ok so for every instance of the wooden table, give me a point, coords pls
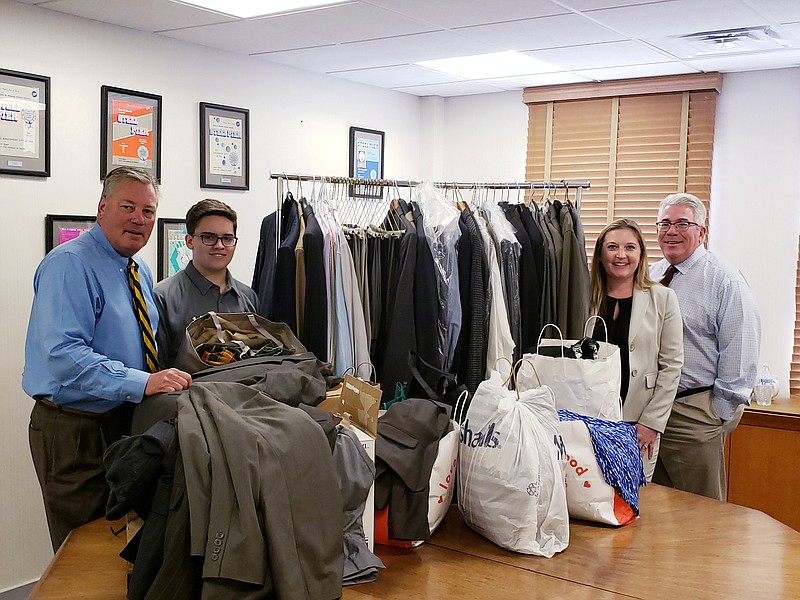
(683, 546)
(761, 460)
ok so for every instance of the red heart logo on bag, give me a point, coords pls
(586, 484)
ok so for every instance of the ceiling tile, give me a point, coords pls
(380, 53)
(142, 17)
(546, 32)
(589, 56)
(396, 76)
(515, 83)
(651, 70)
(780, 11)
(677, 17)
(764, 60)
(582, 5)
(471, 12)
(459, 88)
(336, 24)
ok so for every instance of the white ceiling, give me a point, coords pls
(376, 42)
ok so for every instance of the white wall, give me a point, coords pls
(755, 206)
(299, 123)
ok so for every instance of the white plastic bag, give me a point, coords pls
(585, 386)
(510, 472)
(589, 497)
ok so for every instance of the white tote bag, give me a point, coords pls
(510, 471)
(589, 497)
(588, 387)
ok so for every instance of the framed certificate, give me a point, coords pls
(224, 147)
(63, 228)
(173, 253)
(366, 161)
(24, 124)
(130, 131)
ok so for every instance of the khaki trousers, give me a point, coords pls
(692, 457)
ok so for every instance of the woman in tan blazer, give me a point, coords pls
(644, 320)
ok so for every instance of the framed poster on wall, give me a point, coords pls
(224, 147)
(366, 160)
(173, 253)
(62, 228)
(130, 131)
(24, 124)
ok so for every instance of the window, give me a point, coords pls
(794, 369)
(636, 141)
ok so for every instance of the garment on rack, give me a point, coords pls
(315, 313)
(473, 277)
(284, 292)
(426, 298)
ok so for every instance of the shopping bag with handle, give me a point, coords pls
(584, 385)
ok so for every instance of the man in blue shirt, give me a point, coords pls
(721, 342)
(85, 359)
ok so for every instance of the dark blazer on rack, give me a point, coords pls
(315, 329)
(426, 298)
(264, 271)
(530, 295)
(284, 295)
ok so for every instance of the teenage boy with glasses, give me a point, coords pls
(721, 342)
(205, 284)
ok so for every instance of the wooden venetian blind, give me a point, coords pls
(651, 138)
(794, 369)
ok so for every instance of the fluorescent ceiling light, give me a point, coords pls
(485, 66)
(256, 8)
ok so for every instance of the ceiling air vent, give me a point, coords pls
(729, 41)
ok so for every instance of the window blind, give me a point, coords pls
(635, 147)
(794, 369)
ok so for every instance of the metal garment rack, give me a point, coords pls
(405, 183)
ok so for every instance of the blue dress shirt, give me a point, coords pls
(84, 345)
(721, 328)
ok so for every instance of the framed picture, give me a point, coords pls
(173, 253)
(366, 160)
(224, 147)
(62, 228)
(24, 124)
(130, 131)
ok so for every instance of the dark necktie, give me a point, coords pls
(671, 270)
(140, 310)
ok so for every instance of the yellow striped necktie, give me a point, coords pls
(140, 310)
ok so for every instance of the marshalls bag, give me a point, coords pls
(582, 385)
(510, 470)
(589, 497)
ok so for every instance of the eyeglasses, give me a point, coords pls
(680, 225)
(211, 239)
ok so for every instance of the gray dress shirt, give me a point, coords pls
(187, 295)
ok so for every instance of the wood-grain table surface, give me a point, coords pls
(683, 546)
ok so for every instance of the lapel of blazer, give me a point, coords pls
(640, 300)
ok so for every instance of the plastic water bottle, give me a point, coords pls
(764, 389)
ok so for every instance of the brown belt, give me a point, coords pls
(71, 411)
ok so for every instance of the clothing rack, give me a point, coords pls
(367, 183)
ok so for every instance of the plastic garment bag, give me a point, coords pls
(442, 233)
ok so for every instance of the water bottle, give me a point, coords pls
(765, 388)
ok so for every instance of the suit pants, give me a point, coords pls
(692, 456)
(67, 451)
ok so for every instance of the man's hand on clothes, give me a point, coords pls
(168, 380)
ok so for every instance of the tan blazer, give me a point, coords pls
(655, 351)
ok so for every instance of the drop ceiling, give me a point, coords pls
(377, 42)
